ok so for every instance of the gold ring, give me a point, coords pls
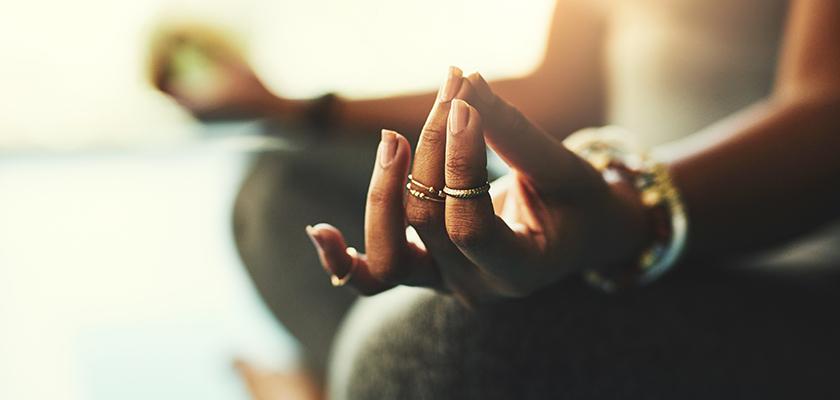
(339, 282)
(470, 193)
(424, 192)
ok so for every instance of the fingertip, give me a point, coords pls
(393, 147)
(451, 84)
(388, 147)
(463, 103)
(466, 92)
(459, 115)
(324, 228)
(478, 80)
(385, 133)
(331, 248)
(403, 142)
(482, 88)
(463, 115)
(456, 74)
(388, 134)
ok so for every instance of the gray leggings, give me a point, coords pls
(705, 331)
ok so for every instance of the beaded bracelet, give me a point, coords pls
(611, 152)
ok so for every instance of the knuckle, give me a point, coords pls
(516, 120)
(391, 271)
(378, 197)
(457, 163)
(421, 216)
(466, 235)
(432, 135)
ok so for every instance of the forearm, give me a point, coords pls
(404, 114)
(772, 172)
(565, 93)
(560, 111)
(766, 175)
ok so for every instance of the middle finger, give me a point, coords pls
(427, 216)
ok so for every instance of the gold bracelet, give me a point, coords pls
(609, 150)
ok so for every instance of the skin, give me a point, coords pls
(564, 215)
(788, 186)
(551, 207)
(562, 94)
(761, 177)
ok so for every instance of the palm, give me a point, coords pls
(546, 225)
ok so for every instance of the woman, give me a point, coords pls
(516, 325)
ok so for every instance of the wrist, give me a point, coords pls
(650, 220)
(276, 107)
(632, 228)
(321, 112)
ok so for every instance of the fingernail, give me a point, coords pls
(316, 241)
(387, 148)
(459, 115)
(449, 87)
(482, 89)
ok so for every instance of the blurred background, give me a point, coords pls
(83, 63)
(119, 277)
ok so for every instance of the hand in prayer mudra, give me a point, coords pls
(553, 215)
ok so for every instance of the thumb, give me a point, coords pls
(537, 156)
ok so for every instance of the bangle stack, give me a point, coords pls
(610, 151)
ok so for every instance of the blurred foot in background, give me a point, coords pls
(266, 384)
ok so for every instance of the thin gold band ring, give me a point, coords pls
(469, 193)
(338, 282)
(424, 192)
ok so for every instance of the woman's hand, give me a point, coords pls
(552, 216)
(206, 74)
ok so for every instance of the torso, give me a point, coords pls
(676, 66)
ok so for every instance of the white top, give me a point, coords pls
(675, 66)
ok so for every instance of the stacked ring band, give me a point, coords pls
(470, 193)
(424, 192)
(429, 193)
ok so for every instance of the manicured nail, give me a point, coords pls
(482, 89)
(449, 87)
(387, 148)
(317, 242)
(459, 115)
